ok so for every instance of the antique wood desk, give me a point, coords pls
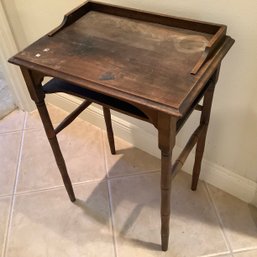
(153, 67)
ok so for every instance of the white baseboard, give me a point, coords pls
(212, 173)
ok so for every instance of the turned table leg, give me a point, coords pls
(167, 134)
(205, 117)
(33, 80)
(51, 135)
(165, 198)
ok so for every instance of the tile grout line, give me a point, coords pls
(39, 127)
(11, 132)
(219, 219)
(89, 181)
(5, 196)
(109, 197)
(141, 173)
(15, 130)
(221, 254)
(7, 233)
(53, 188)
(38, 190)
(105, 154)
(247, 249)
(112, 219)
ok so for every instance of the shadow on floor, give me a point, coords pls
(181, 194)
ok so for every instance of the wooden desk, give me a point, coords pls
(153, 67)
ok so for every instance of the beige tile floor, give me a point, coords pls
(117, 207)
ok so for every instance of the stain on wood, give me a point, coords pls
(107, 76)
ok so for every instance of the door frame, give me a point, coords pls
(12, 74)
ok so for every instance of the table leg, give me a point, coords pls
(167, 134)
(165, 198)
(33, 80)
(51, 135)
(205, 117)
(108, 123)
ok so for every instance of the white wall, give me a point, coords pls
(232, 136)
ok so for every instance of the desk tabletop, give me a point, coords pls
(134, 60)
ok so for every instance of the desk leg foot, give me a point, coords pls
(165, 232)
(108, 123)
(62, 167)
(165, 242)
(51, 135)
